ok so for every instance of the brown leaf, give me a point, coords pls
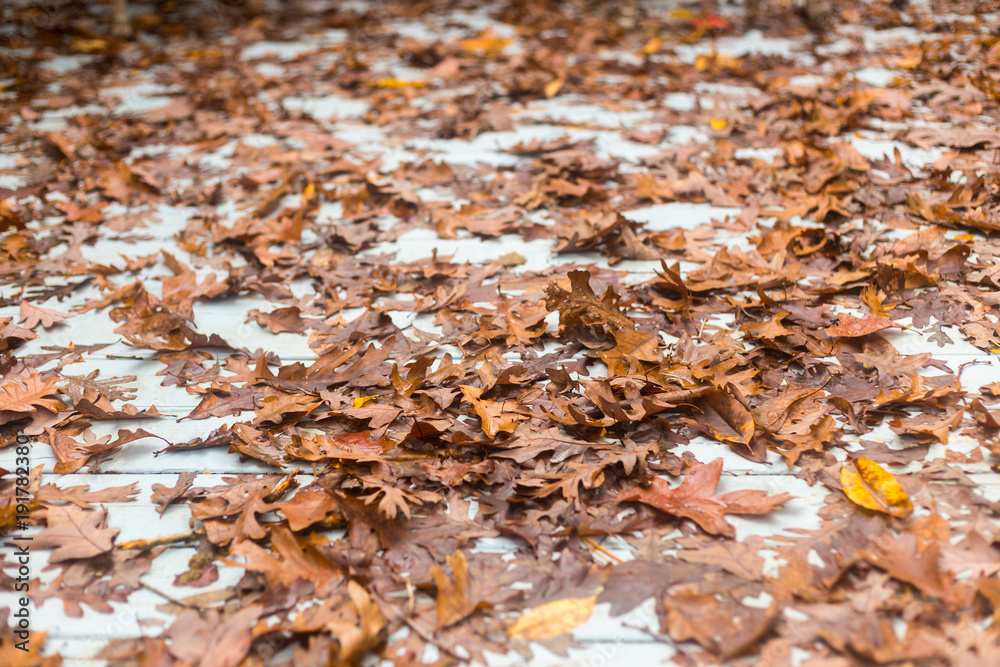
(740, 558)
(75, 533)
(205, 639)
(495, 416)
(928, 427)
(582, 307)
(721, 624)
(83, 496)
(726, 419)
(165, 495)
(694, 499)
(28, 394)
(454, 601)
(32, 316)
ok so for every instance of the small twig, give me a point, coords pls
(647, 631)
(594, 545)
(163, 595)
(141, 545)
(975, 362)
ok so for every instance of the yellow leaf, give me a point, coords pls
(553, 619)
(399, 83)
(361, 400)
(81, 45)
(553, 87)
(487, 41)
(718, 123)
(308, 194)
(716, 61)
(867, 484)
(652, 46)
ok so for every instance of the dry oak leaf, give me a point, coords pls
(693, 499)
(740, 558)
(868, 484)
(553, 618)
(28, 394)
(165, 495)
(75, 533)
(32, 315)
(205, 640)
(291, 559)
(309, 505)
(634, 352)
(582, 307)
(492, 414)
(928, 427)
(454, 595)
(720, 623)
(850, 326)
(915, 557)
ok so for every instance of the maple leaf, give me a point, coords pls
(693, 499)
(75, 533)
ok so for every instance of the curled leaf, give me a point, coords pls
(867, 484)
(724, 418)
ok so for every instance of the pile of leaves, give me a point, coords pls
(557, 408)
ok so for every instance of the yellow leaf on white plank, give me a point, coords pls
(553, 618)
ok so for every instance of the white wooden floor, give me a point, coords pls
(606, 641)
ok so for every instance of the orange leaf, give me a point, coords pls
(854, 327)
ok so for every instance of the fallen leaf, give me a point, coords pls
(74, 533)
(694, 499)
(867, 484)
(553, 619)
